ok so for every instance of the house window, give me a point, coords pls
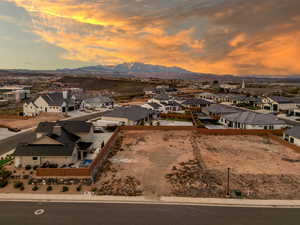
(34, 158)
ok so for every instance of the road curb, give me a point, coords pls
(88, 198)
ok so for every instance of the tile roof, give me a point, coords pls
(281, 99)
(295, 132)
(154, 105)
(196, 102)
(254, 118)
(133, 113)
(66, 147)
(70, 126)
(221, 109)
(57, 99)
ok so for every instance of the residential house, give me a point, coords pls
(278, 103)
(168, 103)
(97, 103)
(217, 110)
(252, 120)
(58, 144)
(15, 93)
(207, 96)
(195, 102)
(129, 115)
(154, 106)
(54, 102)
(292, 135)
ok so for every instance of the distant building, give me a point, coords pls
(293, 135)
(15, 93)
(252, 120)
(129, 115)
(99, 102)
(217, 110)
(278, 103)
(195, 102)
(55, 102)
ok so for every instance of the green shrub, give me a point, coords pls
(4, 174)
(35, 188)
(18, 184)
(65, 189)
(49, 188)
(78, 188)
(27, 167)
(3, 183)
(94, 189)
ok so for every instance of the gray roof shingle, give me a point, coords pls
(196, 102)
(133, 113)
(253, 118)
(70, 126)
(295, 132)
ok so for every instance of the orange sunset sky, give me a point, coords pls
(209, 36)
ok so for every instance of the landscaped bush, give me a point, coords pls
(49, 188)
(22, 188)
(4, 174)
(65, 189)
(35, 188)
(3, 183)
(35, 167)
(18, 184)
(78, 188)
(94, 189)
(28, 167)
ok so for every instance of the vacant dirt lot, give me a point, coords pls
(32, 122)
(185, 163)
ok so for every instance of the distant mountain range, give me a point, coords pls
(136, 70)
(142, 70)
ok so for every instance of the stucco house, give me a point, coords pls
(292, 135)
(58, 144)
(54, 102)
(195, 102)
(252, 120)
(129, 115)
(278, 103)
(97, 103)
(217, 110)
(167, 102)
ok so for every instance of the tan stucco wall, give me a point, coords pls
(115, 119)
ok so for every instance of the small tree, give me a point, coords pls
(3, 183)
(28, 167)
(65, 189)
(35, 188)
(18, 184)
(49, 188)
(78, 188)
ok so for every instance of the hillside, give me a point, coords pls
(116, 85)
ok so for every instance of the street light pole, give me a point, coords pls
(228, 184)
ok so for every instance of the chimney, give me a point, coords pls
(56, 130)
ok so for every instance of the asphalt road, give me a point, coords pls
(29, 136)
(18, 213)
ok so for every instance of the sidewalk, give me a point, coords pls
(89, 198)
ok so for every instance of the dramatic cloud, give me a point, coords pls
(215, 36)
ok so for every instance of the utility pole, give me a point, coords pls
(228, 184)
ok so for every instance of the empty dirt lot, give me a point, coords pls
(31, 122)
(186, 163)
